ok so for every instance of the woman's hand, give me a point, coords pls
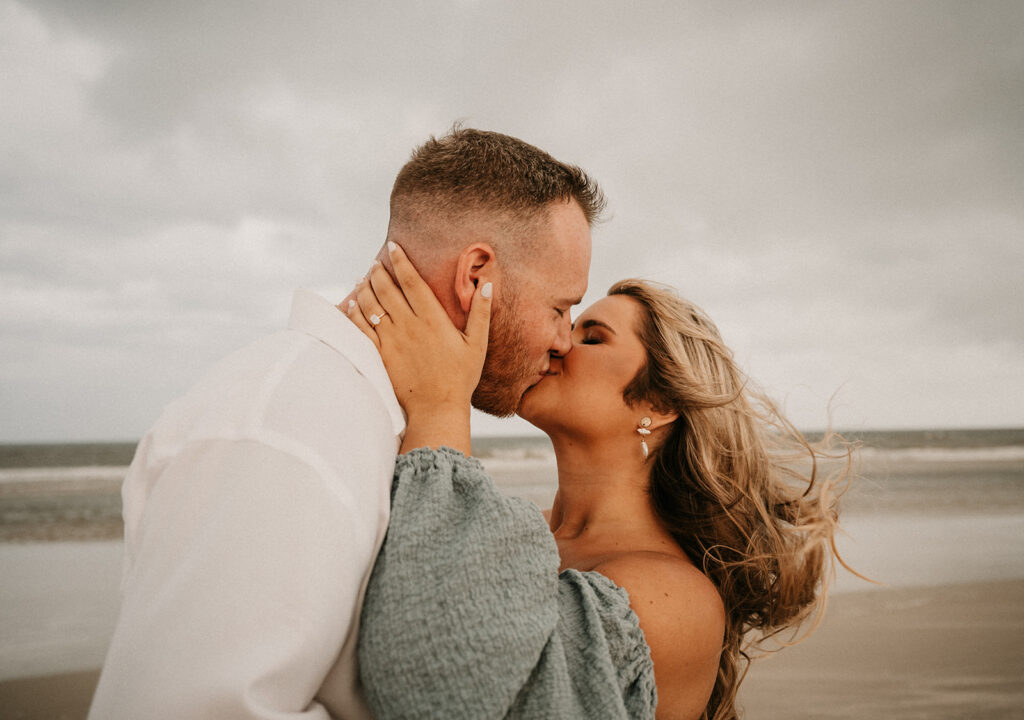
(433, 366)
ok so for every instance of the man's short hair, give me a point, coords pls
(468, 171)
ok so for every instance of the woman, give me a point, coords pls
(680, 523)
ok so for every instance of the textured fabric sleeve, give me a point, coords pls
(466, 614)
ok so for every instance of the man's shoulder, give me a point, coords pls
(287, 386)
(282, 397)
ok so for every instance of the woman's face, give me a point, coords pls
(582, 391)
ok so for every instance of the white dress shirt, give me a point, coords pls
(253, 511)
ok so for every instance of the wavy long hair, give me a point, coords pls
(741, 490)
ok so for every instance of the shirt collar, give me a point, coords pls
(315, 316)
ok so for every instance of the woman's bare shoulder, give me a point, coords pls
(663, 584)
(683, 619)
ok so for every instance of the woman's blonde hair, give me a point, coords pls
(728, 482)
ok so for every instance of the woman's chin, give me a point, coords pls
(543, 422)
(530, 410)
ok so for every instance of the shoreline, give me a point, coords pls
(53, 504)
(939, 652)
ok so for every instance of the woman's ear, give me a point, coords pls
(475, 265)
(660, 419)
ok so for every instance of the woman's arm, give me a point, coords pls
(466, 614)
(683, 619)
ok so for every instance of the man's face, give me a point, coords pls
(532, 319)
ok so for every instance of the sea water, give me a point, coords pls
(72, 491)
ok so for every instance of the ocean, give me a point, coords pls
(58, 492)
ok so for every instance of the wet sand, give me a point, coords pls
(945, 652)
(937, 653)
(54, 697)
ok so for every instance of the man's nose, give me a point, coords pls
(563, 339)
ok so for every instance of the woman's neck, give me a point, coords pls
(602, 491)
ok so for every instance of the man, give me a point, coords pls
(256, 505)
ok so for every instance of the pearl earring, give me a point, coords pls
(645, 422)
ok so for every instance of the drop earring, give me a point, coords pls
(645, 422)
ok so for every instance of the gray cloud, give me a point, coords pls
(837, 183)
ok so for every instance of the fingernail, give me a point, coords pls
(486, 290)
(351, 305)
(391, 246)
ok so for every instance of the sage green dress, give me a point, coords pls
(467, 616)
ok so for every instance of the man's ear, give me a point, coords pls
(476, 264)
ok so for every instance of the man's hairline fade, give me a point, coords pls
(513, 236)
(478, 170)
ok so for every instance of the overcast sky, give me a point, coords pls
(839, 185)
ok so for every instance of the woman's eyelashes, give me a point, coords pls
(588, 336)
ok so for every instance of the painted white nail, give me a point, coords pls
(391, 246)
(351, 305)
(486, 290)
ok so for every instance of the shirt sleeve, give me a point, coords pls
(466, 614)
(244, 582)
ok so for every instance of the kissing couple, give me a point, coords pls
(307, 534)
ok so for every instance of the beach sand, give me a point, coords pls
(954, 651)
(937, 653)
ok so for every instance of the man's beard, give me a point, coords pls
(506, 367)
